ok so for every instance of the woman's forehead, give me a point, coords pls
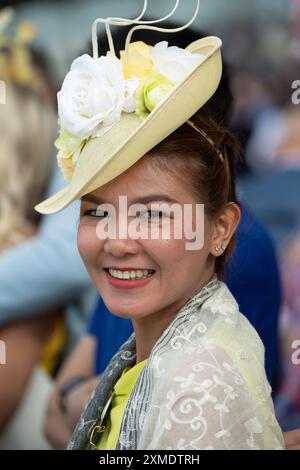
(138, 175)
(144, 183)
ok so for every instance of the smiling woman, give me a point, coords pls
(149, 279)
(192, 374)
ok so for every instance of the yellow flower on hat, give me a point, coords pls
(65, 165)
(139, 62)
(69, 147)
(151, 91)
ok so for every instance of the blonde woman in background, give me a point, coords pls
(27, 127)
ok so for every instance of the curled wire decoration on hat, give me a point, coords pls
(116, 21)
(112, 21)
(164, 30)
(206, 137)
(140, 25)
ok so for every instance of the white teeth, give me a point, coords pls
(138, 274)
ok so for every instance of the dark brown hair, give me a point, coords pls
(188, 154)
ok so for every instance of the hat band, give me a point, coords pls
(207, 138)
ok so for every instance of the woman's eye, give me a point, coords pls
(96, 213)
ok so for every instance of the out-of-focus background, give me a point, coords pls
(261, 45)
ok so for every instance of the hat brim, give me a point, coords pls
(104, 158)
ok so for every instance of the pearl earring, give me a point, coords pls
(220, 247)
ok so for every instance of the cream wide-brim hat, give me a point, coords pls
(104, 158)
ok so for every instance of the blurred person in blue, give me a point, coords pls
(37, 293)
(56, 269)
(251, 273)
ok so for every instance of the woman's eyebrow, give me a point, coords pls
(139, 200)
(91, 198)
(154, 197)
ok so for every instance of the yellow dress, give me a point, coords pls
(122, 389)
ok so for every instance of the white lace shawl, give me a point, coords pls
(210, 389)
(203, 387)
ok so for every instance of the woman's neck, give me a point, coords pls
(149, 329)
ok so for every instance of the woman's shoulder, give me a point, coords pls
(210, 389)
(227, 326)
(217, 341)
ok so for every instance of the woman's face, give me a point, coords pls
(173, 273)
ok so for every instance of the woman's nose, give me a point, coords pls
(119, 247)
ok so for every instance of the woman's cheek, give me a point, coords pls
(165, 252)
(86, 242)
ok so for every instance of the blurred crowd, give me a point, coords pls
(58, 334)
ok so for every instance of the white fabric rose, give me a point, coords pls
(92, 96)
(173, 62)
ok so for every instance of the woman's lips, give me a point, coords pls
(127, 283)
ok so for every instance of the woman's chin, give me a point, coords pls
(131, 310)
